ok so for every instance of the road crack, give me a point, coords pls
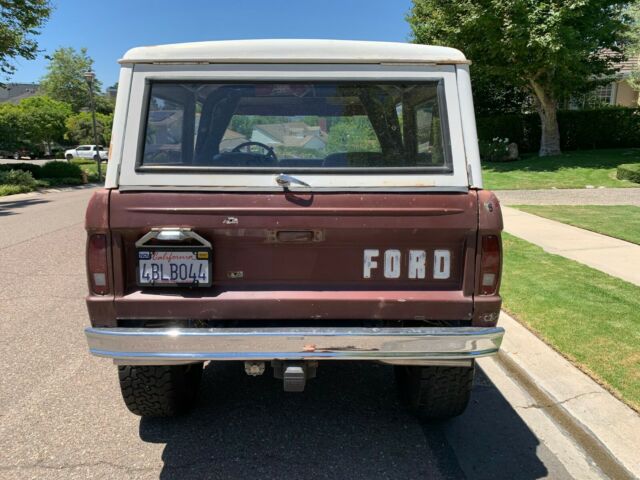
(555, 404)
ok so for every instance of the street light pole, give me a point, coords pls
(90, 77)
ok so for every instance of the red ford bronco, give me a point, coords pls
(282, 203)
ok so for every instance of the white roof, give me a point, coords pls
(294, 51)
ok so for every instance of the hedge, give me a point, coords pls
(610, 127)
(61, 170)
(34, 170)
(17, 177)
(629, 171)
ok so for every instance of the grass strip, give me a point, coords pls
(618, 221)
(590, 317)
(576, 169)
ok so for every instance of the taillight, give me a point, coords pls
(490, 265)
(97, 264)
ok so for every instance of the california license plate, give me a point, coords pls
(167, 267)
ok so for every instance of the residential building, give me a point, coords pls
(291, 134)
(14, 92)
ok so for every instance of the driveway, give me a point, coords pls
(63, 417)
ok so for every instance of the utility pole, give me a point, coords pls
(90, 77)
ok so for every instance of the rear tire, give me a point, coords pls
(435, 393)
(160, 391)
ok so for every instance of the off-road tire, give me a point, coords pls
(435, 393)
(159, 391)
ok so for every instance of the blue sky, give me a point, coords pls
(108, 29)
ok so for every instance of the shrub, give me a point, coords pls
(609, 127)
(629, 171)
(18, 177)
(59, 170)
(35, 170)
(497, 150)
(13, 189)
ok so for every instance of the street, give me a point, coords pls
(63, 417)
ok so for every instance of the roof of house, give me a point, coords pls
(232, 135)
(294, 51)
(292, 134)
(625, 67)
(630, 64)
(14, 92)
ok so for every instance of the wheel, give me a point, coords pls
(159, 391)
(435, 393)
(16, 156)
(69, 157)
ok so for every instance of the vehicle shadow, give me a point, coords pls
(7, 208)
(347, 424)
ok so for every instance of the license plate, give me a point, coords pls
(166, 267)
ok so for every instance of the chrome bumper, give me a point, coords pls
(165, 346)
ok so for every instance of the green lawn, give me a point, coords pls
(92, 170)
(575, 169)
(590, 317)
(619, 221)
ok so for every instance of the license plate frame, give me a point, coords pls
(147, 251)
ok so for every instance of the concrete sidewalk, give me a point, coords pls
(571, 196)
(610, 255)
(607, 429)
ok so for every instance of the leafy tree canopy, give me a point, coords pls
(64, 80)
(634, 43)
(550, 48)
(9, 126)
(43, 119)
(19, 24)
(80, 128)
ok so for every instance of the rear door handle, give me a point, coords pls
(297, 236)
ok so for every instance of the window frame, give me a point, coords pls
(444, 132)
(132, 174)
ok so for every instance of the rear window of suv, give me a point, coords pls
(296, 127)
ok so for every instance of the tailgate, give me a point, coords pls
(298, 256)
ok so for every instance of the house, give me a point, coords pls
(618, 92)
(14, 92)
(231, 140)
(291, 134)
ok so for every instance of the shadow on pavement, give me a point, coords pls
(347, 424)
(7, 208)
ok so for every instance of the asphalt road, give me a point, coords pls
(62, 416)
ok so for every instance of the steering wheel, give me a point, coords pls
(269, 150)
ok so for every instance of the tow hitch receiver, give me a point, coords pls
(294, 375)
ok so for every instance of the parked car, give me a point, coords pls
(353, 228)
(23, 152)
(86, 151)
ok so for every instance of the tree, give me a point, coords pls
(634, 43)
(19, 23)
(10, 130)
(549, 48)
(42, 119)
(80, 128)
(64, 80)
(352, 134)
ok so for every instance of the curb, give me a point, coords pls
(606, 429)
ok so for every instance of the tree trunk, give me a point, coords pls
(547, 107)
